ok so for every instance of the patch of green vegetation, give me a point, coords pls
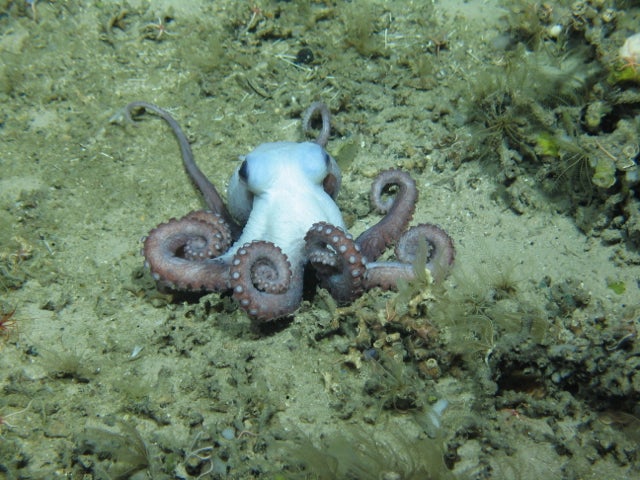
(616, 286)
(116, 453)
(356, 454)
(624, 74)
(362, 27)
(547, 145)
(346, 152)
(393, 384)
(582, 158)
(483, 306)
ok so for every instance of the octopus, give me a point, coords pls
(280, 219)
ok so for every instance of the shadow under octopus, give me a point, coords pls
(280, 218)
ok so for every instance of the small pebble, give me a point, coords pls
(304, 56)
(370, 354)
(228, 433)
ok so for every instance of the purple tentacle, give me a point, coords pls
(440, 257)
(398, 212)
(325, 115)
(209, 192)
(385, 275)
(183, 254)
(263, 281)
(331, 183)
(337, 260)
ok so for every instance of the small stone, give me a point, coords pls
(304, 56)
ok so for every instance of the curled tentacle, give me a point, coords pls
(398, 212)
(337, 260)
(325, 115)
(182, 254)
(214, 244)
(440, 255)
(385, 275)
(332, 181)
(263, 282)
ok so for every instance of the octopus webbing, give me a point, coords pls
(281, 217)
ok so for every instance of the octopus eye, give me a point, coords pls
(242, 172)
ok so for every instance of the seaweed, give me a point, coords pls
(529, 22)
(355, 454)
(512, 106)
(361, 29)
(504, 115)
(70, 364)
(393, 384)
(114, 454)
(482, 306)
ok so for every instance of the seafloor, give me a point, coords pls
(520, 124)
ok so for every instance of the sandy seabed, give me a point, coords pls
(521, 131)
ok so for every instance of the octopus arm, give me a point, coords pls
(263, 281)
(398, 212)
(437, 258)
(184, 254)
(209, 192)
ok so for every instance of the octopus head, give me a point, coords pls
(278, 165)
